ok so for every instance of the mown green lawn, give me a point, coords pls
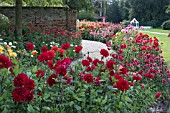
(162, 38)
(158, 30)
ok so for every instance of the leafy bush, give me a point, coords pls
(4, 22)
(166, 25)
(85, 15)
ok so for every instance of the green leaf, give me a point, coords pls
(77, 107)
(46, 108)
(14, 60)
(105, 100)
(5, 110)
(16, 70)
(30, 108)
(34, 69)
(112, 89)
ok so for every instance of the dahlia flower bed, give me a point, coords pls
(129, 80)
(98, 31)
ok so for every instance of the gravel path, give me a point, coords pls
(93, 48)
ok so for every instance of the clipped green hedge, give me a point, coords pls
(166, 25)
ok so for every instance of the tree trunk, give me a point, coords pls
(18, 18)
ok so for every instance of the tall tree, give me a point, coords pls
(152, 11)
(18, 18)
(80, 4)
(113, 13)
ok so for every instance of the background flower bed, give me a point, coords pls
(136, 72)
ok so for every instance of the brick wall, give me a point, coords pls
(45, 17)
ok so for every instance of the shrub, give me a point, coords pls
(85, 15)
(4, 22)
(166, 25)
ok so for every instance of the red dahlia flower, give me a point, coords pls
(5, 62)
(29, 97)
(46, 56)
(110, 64)
(20, 80)
(85, 63)
(65, 45)
(29, 46)
(104, 52)
(88, 78)
(44, 49)
(122, 84)
(158, 95)
(29, 84)
(78, 49)
(19, 94)
(39, 73)
(51, 80)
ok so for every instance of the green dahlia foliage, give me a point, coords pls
(128, 80)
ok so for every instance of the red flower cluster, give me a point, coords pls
(51, 80)
(109, 64)
(24, 88)
(65, 46)
(29, 46)
(61, 66)
(5, 62)
(104, 52)
(39, 73)
(122, 84)
(78, 49)
(158, 95)
(85, 63)
(88, 78)
(46, 56)
(44, 49)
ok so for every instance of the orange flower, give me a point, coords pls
(34, 52)
(8, 47)
(55, 48)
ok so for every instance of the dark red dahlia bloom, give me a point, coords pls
(122, 46)
(62, 65)
(29, 97)
(123, 70)
(149, 75)
(104, 52)
(44, 49)
(29, 46)
(89, 59)
(158, 95)
(110, 63)
(122, 84)
(29, 84)
(65, 46)
(20, 80)
(50, 64)
(137, 77)
(5, 62)
(19, 94)
(88, 78)
(96, 62)
(78, 49)
(51, 80)
(85, 63)
(39, 73)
